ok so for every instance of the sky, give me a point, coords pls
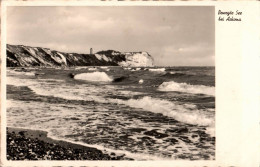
(172, 35)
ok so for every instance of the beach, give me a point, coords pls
(25, 144)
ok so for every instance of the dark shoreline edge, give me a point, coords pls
(27, 144)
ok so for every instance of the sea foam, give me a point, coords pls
(92, 69)
(19, 82)
(141, 81)
(157, 69)
(187, 113)
(21, 73)
(94, 76)
(183, 87)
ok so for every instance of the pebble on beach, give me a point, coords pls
(21, 147)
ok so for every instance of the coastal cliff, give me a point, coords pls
(25, 56)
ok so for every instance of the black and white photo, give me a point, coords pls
(110, 83)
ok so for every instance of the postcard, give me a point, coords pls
(130, 83)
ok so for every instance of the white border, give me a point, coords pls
(3, 80)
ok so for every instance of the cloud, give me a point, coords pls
(172, 35)
(197, 55)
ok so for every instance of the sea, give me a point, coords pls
(144, 113)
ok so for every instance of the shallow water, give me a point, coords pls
(169, 115)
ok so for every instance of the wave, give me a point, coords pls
(21, 72)
(136, 69)
(157, 69)
(92, 69)
(94, 76)
(51, 80)
(128, 68)
(18, 82)
(120, 79)
(104, 67)
(79, 68)
(186, 113)
(105, 150)
(187, 88)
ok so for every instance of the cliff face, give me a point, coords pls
(24, 56)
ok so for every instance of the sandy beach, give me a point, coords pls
(24, 144)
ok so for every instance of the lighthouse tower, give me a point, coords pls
(91, 51)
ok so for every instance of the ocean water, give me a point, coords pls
(159, 113)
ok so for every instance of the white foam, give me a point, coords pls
(22, 73)
(78, 92)
(157, 69)
(79, 68)
(14, 72)
(95, 76)
(187, 113)
(35, 112)
(131, 93)
(128, 68)
(210, 130)
(172, 72)
(141, 81)
(137, 69)
(16, 82)
(92, 69)
(136, 156)
(183, 87)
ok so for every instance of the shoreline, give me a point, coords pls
(27, 144)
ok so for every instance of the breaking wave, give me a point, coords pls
(186, 113)
(94, 76)
(187, 88)
(157, 69)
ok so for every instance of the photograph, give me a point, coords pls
(100, 82)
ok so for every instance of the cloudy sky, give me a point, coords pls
(174, 36)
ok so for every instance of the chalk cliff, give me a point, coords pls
(24, 56)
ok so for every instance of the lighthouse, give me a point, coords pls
(91, 51)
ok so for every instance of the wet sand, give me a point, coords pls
(24, 144)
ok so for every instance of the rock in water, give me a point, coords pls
(119, 79)
(71, 75)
